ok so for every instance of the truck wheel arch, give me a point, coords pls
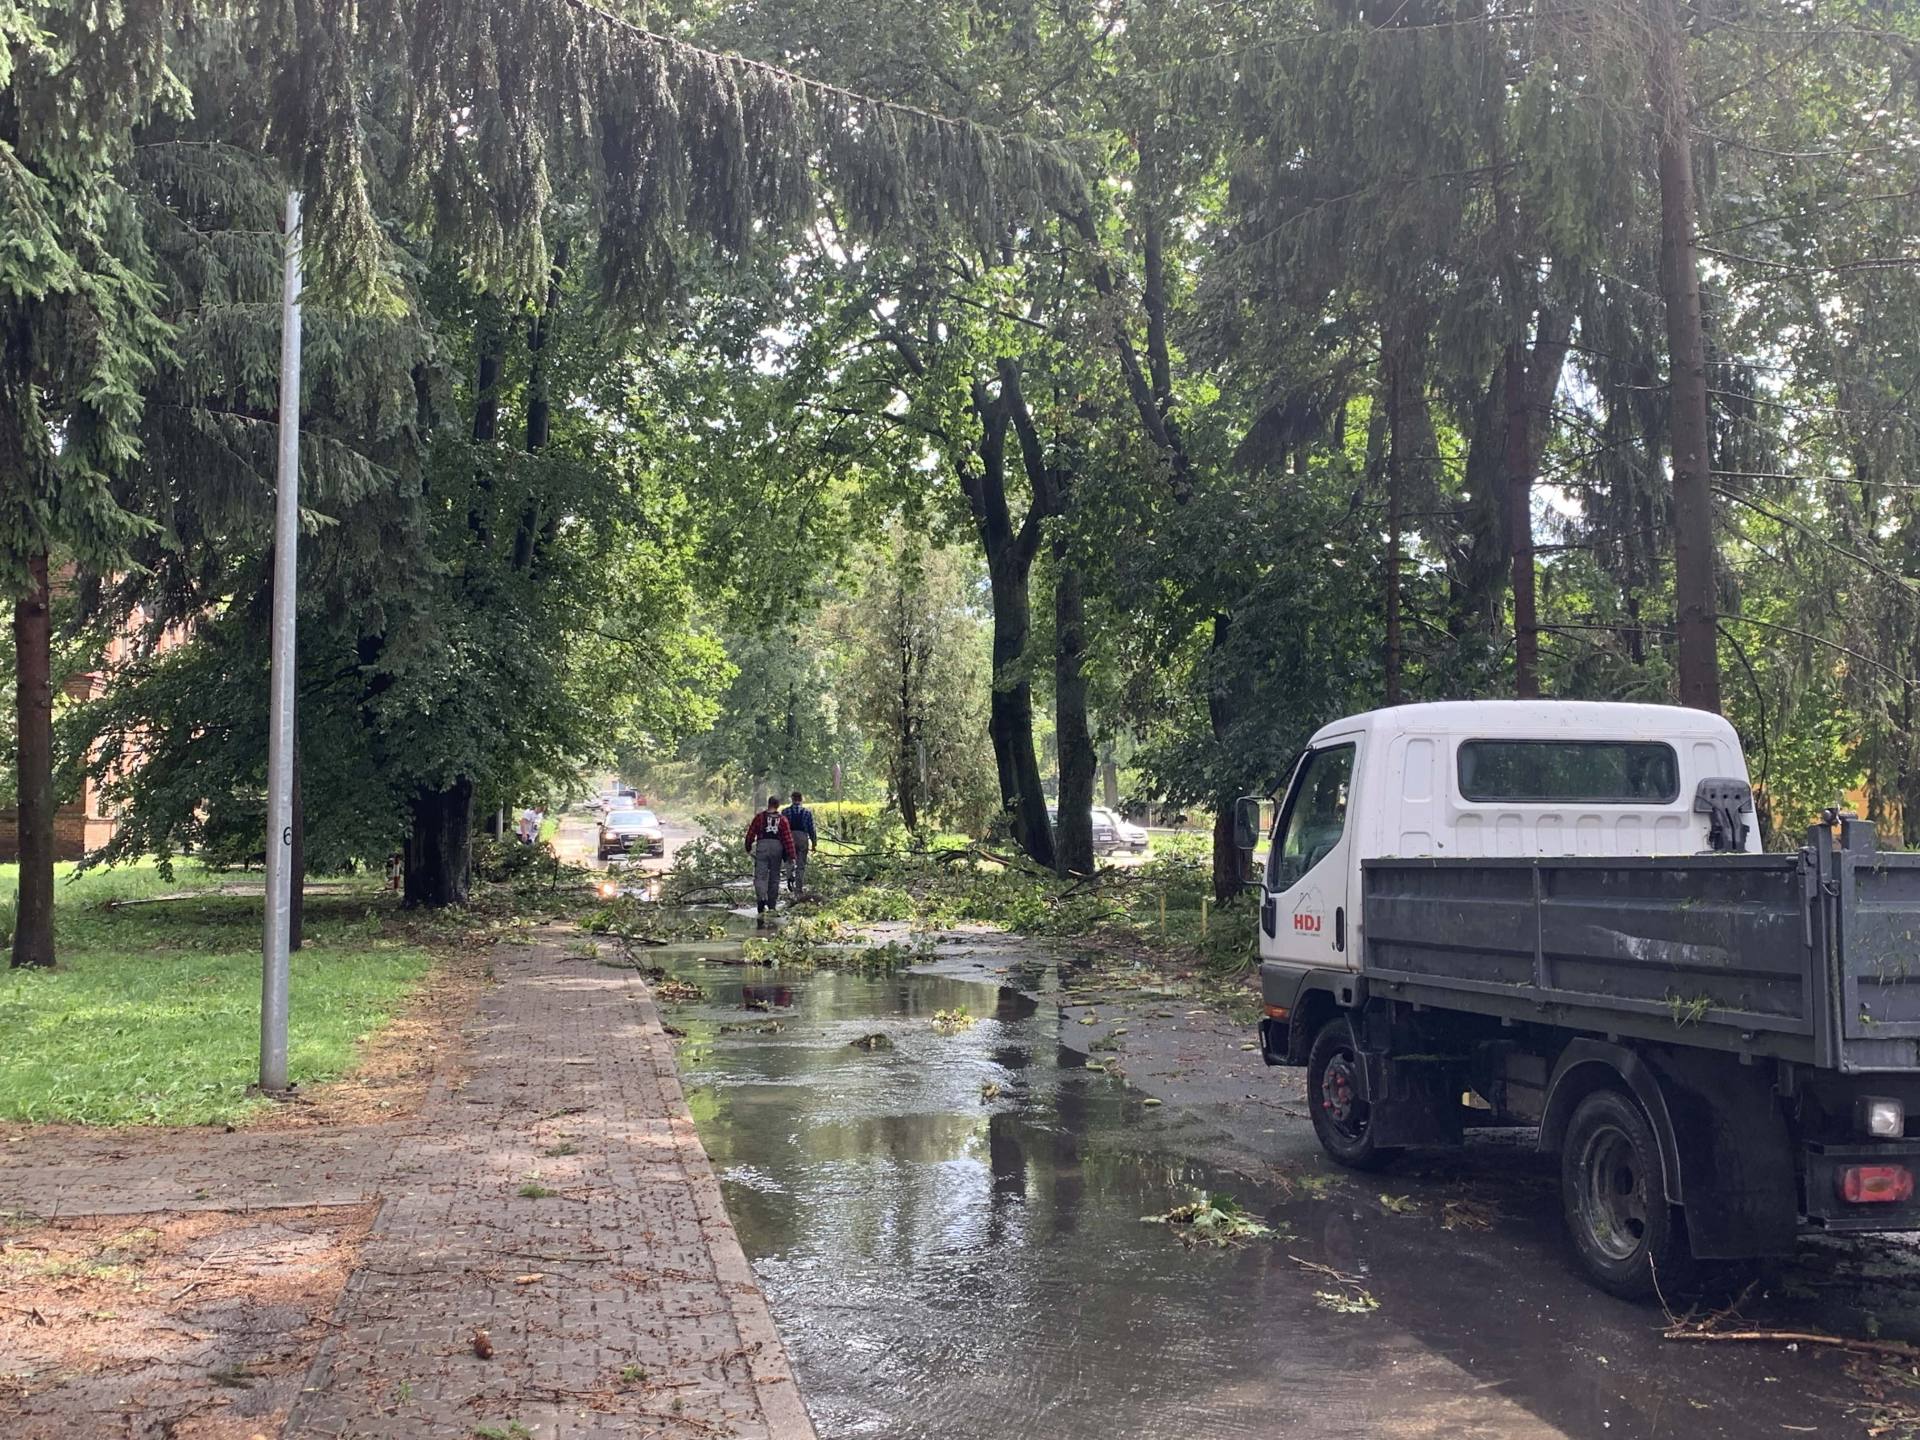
(1313, 1006)
(1589, 1065)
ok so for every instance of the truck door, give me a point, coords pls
(1305, 918)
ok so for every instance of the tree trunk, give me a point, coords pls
(1519, 494)
(1075, 737)
(486, 424)
(1480, 560)
(1695, 622)
(439, 853)
(33, 661)
(539, 404)
(1396, 465)
(1530, 380)
(1009, 554)
(908, 767)
(1010, 710)
(1110, 782)
(1229, 860)
(297, 860)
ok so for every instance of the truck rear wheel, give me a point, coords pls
(1336, 1099)
(1628, 1237)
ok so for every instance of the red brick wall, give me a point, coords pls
(74, 833)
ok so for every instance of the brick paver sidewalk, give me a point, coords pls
(557, 1199)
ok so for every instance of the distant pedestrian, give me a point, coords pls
(805, 837)
(770, 843)
(529, 825)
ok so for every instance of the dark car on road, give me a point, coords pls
(1111, 834)
(631, 832)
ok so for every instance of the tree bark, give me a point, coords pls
(1110, 782)
(1530, 381)
(33, 675)
(439, 851)
(1479, 563)
(1073, 735)
(486, 423)
(1695, 620)
(908, 768)
(1396, 467)
(1229, 860)
(1519, 493)
(1009, 554)
(1010, 717)
(539, 404)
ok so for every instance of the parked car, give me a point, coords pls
(1560, 911)
(1111, 834)
(631, 832)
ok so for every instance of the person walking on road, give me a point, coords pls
(805, 837)
(770, 843)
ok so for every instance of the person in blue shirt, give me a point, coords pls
(805, 837)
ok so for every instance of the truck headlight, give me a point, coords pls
(1880, 1117)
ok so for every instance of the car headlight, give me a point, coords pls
(1881, 1117)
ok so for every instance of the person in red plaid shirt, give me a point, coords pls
(770, 843)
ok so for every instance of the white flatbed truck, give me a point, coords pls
(1556, 914)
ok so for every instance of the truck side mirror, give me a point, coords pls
(1246, 822)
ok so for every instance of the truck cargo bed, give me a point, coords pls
(1807, 957)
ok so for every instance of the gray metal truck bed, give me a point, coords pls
(1812, 957)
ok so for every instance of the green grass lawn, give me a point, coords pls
(153, 1015)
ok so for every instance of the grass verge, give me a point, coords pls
(153, 1014)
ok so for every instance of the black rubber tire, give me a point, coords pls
(1630, 1241)
(1343, 1131)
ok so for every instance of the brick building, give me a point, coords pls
(82, 823)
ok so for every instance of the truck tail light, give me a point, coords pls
(1876, 1184)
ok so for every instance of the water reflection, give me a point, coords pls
(949, 1232)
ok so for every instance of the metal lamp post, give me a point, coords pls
(286, 541)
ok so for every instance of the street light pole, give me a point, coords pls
(286, 541)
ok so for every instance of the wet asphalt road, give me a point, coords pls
(949, 1232)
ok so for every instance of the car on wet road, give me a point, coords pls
(1111, 833)
(631, 832)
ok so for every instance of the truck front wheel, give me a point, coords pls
(1336, 1099)
(1629, 1238)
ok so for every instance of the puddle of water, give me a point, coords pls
(946, 1259)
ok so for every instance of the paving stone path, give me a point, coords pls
(552, 1194)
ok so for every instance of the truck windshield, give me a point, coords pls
(1593, 772)
(1316, 816)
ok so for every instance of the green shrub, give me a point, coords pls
(1183, 845)
(854, 822)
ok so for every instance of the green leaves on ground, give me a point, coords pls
(1212, 1219)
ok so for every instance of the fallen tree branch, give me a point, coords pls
(1897, 1349)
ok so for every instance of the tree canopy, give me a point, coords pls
(1182, 377)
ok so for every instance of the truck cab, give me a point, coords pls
(1479, 779)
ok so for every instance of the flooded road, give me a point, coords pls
(949, 1230)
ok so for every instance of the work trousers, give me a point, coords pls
(768, 857)
(797, 867)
